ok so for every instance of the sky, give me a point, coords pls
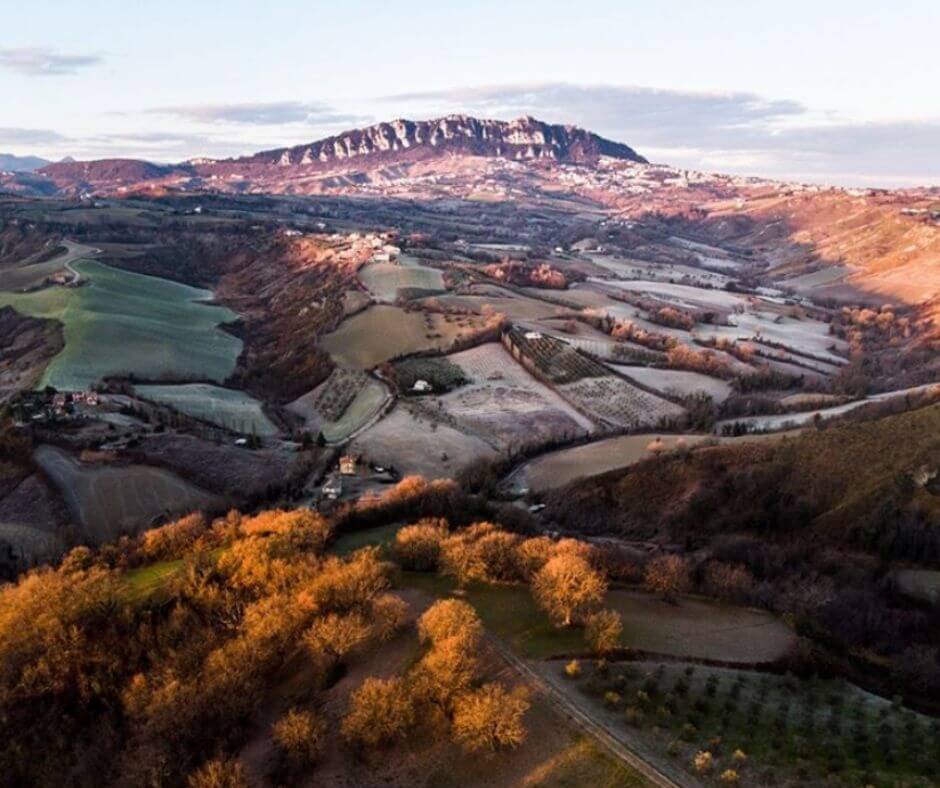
(822, 91)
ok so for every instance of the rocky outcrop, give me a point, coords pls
(524, 139)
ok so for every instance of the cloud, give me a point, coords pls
(18, 136)
(260, 113)
(734, 132)
(40, 62)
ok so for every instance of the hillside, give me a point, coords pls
(850, 486)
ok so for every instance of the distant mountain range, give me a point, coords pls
(11, 163)
(384, 145)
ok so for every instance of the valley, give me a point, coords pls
(719, 393)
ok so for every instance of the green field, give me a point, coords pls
(228, 408)
(120, 323)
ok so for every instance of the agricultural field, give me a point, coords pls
(768, 729)
(558, 468)
(31, 519)
(33, 272)
(342, 404)
(804, 336)
(386, 281)
(111, 500)
(678, 382)
(622, 405)
(492, 299)
(228, 408)
(789, 420)
(624, 268)
(589, 385)
(412, 443)
(383, 332)
(685, 296)
(121, 323)
(504, 404)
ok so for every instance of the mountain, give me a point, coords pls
(521, 139)
(11, 163)
(359, 153)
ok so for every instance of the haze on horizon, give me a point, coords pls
(839, 92)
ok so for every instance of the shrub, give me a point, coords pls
(490, 718)
(299, 736)
(729, 777)
(703, 761)
(611, 699)
(573, 669)
(219, 773)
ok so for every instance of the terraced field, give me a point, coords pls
(122, 323)
(228, 408)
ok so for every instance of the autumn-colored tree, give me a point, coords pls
(461, 557)
(567, 587)
(730, 581)
(448, 618)
(219, 773)
(336, 635)
(389, 615)
(573, 547)
(418, 547)
(497, 552)
(169, 541)
(380, 711)
(342, 585)
(299, 737)
(490, 718)
(532, 554)
(448, 669)
(603, 630)
(668, 575)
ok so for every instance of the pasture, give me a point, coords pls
(228, 408)
(384, 332)
(121, 323)
(111, 500)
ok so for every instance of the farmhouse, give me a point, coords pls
(333, 488)
(421, 386)
(347, 465)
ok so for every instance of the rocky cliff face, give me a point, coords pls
(524, 139)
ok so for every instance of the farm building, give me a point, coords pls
(333, 488)
(347, 465)
(421, 386)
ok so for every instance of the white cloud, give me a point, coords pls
(41, 62)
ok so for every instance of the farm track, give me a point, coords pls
(608, 738)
